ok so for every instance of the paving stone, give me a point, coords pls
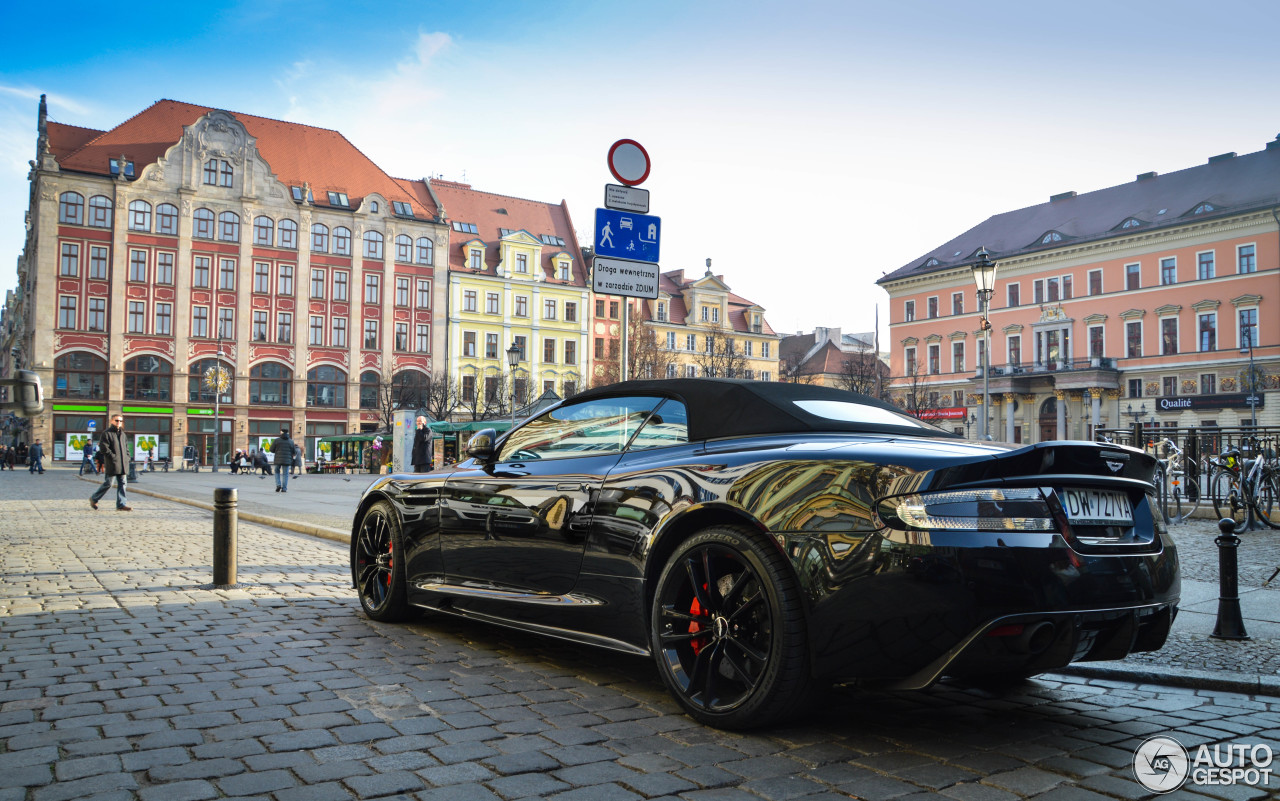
(179, 791)
(380, 784)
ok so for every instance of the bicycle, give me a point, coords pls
(1180, 494)
(1245, 489)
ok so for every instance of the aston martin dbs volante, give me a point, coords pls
(760, 540)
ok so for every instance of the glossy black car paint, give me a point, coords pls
(575, 554)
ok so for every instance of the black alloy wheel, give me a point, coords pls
(377, 564)
(728, 630)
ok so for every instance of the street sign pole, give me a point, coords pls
(626, 319)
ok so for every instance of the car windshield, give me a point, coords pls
(849, 412)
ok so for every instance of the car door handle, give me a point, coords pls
(568, 488)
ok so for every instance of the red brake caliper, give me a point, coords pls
(695, 609)
(391, 562)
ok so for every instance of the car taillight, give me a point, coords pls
(970, 510)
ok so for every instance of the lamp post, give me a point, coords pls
(217, 379)
(513, 358)
(1137, 414)
(1252, 397)
(984, 275)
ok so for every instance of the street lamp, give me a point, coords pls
(1137, 414)
(1252, 397)
(513, 358)
(984, 275)
(218, 379)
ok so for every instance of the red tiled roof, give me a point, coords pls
(674, 283)
(65, 139)
(297, 153)
(831, 360)
(490, 212)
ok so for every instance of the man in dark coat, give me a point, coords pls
(36, 456)
(115, 464)
(282, 450)
(421, 455)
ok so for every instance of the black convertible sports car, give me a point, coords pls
(760, 539)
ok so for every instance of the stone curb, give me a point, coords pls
(323, 532)
(1220, 681)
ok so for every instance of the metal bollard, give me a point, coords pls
(224, 536)
(1230, 623)
(133, 472)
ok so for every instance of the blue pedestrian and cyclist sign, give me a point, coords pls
(624, 235)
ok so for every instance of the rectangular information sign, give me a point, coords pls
(624, 235)
(626, 198)
(632, 279)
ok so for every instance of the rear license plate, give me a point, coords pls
(1097, 507)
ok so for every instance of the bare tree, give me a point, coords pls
(647, 357)
(404, 390)
(790, 367)
(912, 393)
(441, 397)
(489, 397)
(863, 372)
(720, 356)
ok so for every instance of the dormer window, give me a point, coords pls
(465, 228)
(1051, 237)
(563, 270)
(548, 239)
(506, 231)
(932, 263)
(128, 168)
(401, 208)
(477, 260)
(1132, 222)
(339, 199)
(373, 207)
(1203, 208)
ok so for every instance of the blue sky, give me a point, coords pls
(805, 147)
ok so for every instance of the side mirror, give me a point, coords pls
(480, 446)
(28, 394)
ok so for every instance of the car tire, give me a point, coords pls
(727, 630)
(377, 566)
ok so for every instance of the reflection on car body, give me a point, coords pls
(756, 539)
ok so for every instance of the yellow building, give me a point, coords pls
(516, 278)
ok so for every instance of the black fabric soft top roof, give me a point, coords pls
(722, 407)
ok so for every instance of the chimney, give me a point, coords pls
(1062, 196)
(1147, 176)
(1274, 144)
(1221, 157)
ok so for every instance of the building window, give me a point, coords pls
(1168, 271)
(148, 378)
(599, 348)
(957, 303)
(217, 173)
(957, 357)
(1015, 350)
(1204, 265)
(477, 260)
(424, 294)
(70, 260)
(522, 306)
(372, 288)
(764, 350)
(319, 238)
(164, 267)
(1095, 282)
(402, 291)
(909, 311)
(522, 263)
(202, 224)
(1133, 339)
(371, 334)
(1012, 296)
(600, 307)
(1248, 328)
(340, 285)
(285, 280)
(339, 337)
(1208, 383)
(425, 251)
(469, 344)
(570, 312)
(71, 208)
(372, 245)
(140, 216)
(519, 342)
(284, 327)
(1037, 291)
(98, 262)
(1246, 257)
(369, 384)
(137, 317)
(288, 234)
(423, 343)
(469, 300)
(1135, 388)
(269, 384)
(933, 308)
(935, 362)
(548, 309)
(1097, 344)
(1208, 332)
(79, 375)
(549, 350)
(97, 314)
(404, 249)
(229, 226)
(67, 311)
(100, 212)
(691, 371)
(1169, 336)
(264, 231)
(164, 319)
(570, 351)
(167, 219)
(671, 340)
(227, 274)
(327, 387)
(200, 272)
(613, 310)
(226, 323)
(1169, 385)
(259, 332)
(468, 388)
(491, 305)
(316, 331)
(909, 362)
(491, 346)
(261, 277)
(1066, 287)
(402, 336)
(1132, 276)
(138, 266)
(317, 283)
(342, 241)
(563, 271)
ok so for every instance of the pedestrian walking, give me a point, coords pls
(282, 450)
(298, 461)
(420, 457)
(36, 457)
(11, 457)
(115, 464)
(86, 460)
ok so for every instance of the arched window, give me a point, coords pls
(372, 245)
(202, 224)
(71, 208)
(319, 238)
(269, 384)
(199, 392)
(167, 219)
(404, 249)
(264, 230)
(229, 226)
(80, 375)
(409, 389)
(342, 241)
(373, 207)
(100, 211)
(369, 390)
(148, 378)
(327, 386)
(140, 216)
(288, 234)
(425, 248)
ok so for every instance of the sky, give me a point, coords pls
(806, 148)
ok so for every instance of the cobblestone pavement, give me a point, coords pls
(121, 678)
